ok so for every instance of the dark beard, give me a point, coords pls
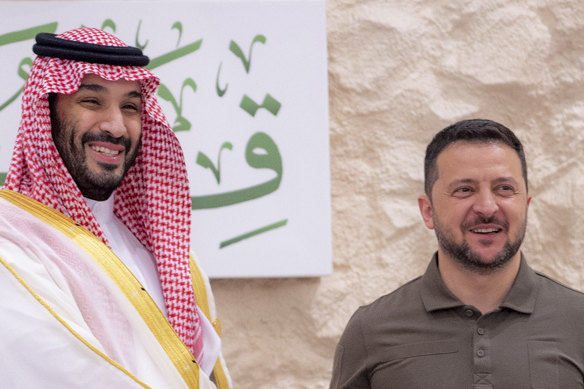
(94, 186)
(462, 253)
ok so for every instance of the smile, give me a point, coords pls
(105, 151)
(486, 230)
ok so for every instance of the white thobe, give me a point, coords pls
(142, 264)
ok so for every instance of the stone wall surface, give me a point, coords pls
(400, 70)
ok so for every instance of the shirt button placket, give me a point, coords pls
(481, 352)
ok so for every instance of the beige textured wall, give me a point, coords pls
(399, 71)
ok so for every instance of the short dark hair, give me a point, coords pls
(473, 130)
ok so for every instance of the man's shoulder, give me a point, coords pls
(564, 291)
(401, 298)
(11, 200)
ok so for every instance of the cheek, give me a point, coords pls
(63, 137)
(455, 210)
(516, 210)
(86, 119)
(134, 128)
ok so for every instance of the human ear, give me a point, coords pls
(426, 210)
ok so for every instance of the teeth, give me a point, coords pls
(485, 230)
(105, 151)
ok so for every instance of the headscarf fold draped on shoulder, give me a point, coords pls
(153, 200)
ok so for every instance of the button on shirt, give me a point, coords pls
(422, 336)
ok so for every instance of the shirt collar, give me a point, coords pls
(102, 210)
(521, 297)
(523, 293)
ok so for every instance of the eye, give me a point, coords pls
(462, 191)
(90, 101)
(132, 107)
(506, 190)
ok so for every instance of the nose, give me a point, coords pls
(113, 122)
(485, 203)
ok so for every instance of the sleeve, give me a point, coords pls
(350, 360)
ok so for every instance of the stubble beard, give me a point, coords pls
(471, 260)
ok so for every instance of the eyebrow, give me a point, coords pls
(497, 180)
(101, 88)
(506, 179)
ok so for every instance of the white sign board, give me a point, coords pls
(244, 85)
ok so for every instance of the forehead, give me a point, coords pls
(120, 86)
(470, 160)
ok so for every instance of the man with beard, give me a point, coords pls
(479, 317)
(99, 289)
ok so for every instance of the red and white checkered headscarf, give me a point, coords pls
(153, 200)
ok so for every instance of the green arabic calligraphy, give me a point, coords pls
(174, 55)
(220, 91)
(270, 158)
(19, 36)
(181, 123)
(270, 104)
(257, 141)
(204, 161)
(108, 23)
(26, 34)
(261, 153)
(253, 233)
(235, 49)
(178, 26)
(136, 38)
(23, 74)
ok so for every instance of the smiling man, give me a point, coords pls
(479, 317)
(99, 289)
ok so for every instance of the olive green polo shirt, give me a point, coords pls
(422, 336)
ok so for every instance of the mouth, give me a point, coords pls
(485, 230)
(106, 151)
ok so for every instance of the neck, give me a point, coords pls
(484, 291)
(97, 194)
